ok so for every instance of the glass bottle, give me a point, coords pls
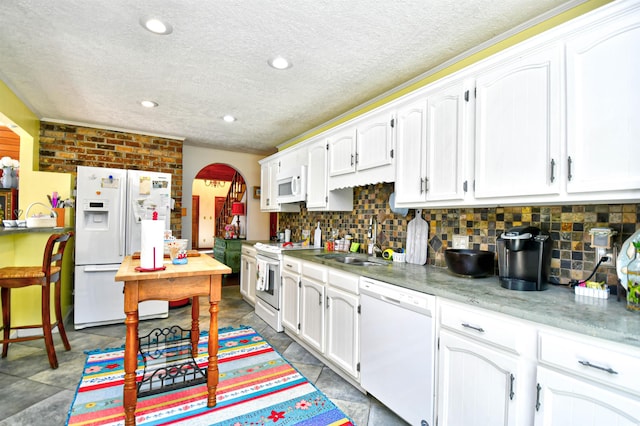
(633, 281)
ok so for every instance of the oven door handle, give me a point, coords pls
(268, 260)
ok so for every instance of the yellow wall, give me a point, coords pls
(27, 249)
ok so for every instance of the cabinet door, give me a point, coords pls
(602, 106)
(268, 188)
(566, 401)
(248, 278)
(342, 341)
(317, 184)
(518, 122)
(446, 143)
(374, 141)
(312, 313)
(290, 301)
(411, 152)
(342, 152)
(475, 383)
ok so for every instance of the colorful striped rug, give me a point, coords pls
(257, 386)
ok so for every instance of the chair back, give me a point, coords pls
(53, 253)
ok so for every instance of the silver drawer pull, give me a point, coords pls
(479, 329)
(608, 370)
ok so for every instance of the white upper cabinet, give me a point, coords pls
(342, 152)
(603, 101)
(518, 125)
(318, 195)
(411, 151)
(268, 187)
(449, 145)
(269, 168)
(433, 145)
(361, 152)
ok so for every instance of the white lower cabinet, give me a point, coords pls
(290, 293)
(476, 383)
(248, 273)
(343, 322)
(486, 369)
(564, 400)
(312, 305)
(320, 309)
(585, 381)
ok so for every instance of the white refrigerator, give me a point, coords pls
(110, 205)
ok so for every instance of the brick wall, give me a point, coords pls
(64, 147)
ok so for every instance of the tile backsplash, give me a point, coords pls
(572, 258)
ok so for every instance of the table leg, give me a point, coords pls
(130, 398)
(212, 369)
(195, 326)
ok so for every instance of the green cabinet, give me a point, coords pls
(228, 252)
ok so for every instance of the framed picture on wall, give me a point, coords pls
(8, 203)
(256, 192)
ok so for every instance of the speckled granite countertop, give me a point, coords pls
(557, 306)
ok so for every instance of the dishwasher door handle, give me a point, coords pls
(390, 300)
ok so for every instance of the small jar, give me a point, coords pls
(633, 281)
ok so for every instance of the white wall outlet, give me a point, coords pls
(460, 242)
(611, 253)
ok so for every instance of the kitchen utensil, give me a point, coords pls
(392, 205)
(625, 256)
(470, 263)
(417, 236)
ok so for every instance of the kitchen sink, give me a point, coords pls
(352, 260)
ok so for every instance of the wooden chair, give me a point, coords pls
(45, 276)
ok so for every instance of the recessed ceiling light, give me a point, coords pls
(148, 104)
(156, 26)
(229, 118)
(279, 63)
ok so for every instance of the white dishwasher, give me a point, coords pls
(397, 337)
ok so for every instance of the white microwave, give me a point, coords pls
(292, 185)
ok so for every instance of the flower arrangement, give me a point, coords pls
(8, 162)
(230, 231)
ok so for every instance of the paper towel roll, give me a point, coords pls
(152, 244)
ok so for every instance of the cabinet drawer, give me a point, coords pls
(248, 251)
(344, 280)
(313, 271)
(497, 329)
(614, 365)
(291, 264)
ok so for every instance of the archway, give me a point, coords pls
(214, 190)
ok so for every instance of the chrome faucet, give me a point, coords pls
(373, 236)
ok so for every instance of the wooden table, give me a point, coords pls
(201, 276)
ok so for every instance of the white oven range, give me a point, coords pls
(268, 300)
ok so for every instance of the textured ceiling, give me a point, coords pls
(91, 62)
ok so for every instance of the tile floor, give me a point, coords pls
(33, 394)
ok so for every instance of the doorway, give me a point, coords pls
(214, 190)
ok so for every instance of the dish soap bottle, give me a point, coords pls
(633, 281)
(317, 237)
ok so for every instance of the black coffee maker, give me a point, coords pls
(524, 258)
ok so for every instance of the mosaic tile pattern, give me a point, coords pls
(572, 255)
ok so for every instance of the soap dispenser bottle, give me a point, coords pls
(317, 237)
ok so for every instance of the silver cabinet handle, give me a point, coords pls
(569, 161)
(553, 168)
(588, 364)
(479, 329)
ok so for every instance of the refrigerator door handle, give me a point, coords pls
(122, 218)
(101, 268)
